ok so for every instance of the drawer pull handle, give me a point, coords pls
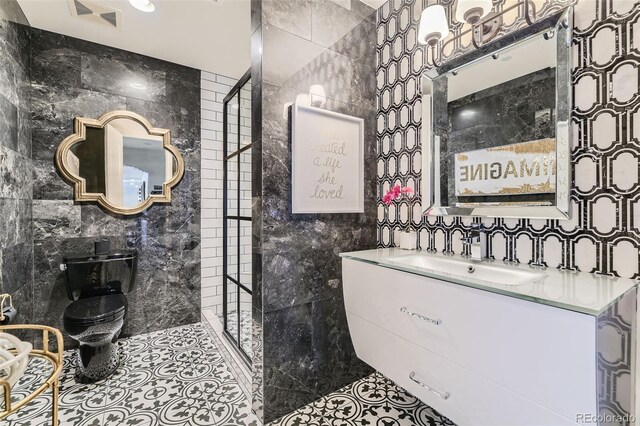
(405, 310)
(443, 395)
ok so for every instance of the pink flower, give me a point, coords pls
(394, 193)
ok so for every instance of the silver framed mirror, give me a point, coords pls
(496, 127)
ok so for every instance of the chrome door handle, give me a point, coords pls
(405, 310)
(443, 395)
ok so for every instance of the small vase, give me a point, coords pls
(408, 240)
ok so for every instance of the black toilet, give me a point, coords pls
(97, 284)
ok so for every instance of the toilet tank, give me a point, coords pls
(95, 275)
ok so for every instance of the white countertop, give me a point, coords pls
(581, 292)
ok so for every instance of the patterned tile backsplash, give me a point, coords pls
(603, 233)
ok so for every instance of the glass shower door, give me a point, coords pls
(237, 266)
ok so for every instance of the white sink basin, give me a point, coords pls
(477, 270)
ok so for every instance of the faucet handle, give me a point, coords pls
(476, 230)
(469, 240)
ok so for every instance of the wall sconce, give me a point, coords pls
(317, 95)
(471, 11)
(316, 98)
(485, 24)
(433, 25)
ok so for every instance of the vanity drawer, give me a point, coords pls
(543, 353)
(463, 396)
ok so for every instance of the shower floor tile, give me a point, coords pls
(170, 377)
(246, 337)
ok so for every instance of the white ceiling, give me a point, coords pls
(210, 35)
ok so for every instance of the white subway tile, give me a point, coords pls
(226, 80)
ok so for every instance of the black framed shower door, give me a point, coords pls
(237, 276)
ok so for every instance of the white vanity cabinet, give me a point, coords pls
(483, 357)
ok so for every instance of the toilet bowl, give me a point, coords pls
(97, 284)
(95, 323)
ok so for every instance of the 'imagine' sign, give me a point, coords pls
(516, 169)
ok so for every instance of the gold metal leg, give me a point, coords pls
(52, 382)
(54, 404)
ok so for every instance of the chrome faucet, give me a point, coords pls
(477, 241)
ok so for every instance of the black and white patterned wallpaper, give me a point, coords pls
(615, 360)
(603, 233)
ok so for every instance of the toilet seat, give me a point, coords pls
(96, 310)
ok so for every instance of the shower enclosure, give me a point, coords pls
(237, 216)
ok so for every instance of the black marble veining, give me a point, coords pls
(504, 114)
(72, 77)
(8, 124)
(298, 306)
(16, 236)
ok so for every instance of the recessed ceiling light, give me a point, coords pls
(138, 86)
(143, 5)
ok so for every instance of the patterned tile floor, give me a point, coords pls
(179, 377)
(372, 401)
(171, 377)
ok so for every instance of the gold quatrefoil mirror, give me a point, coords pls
(120, 161)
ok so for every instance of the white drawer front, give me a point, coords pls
(470, 399)
(545, 354)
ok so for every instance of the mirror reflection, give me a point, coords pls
(120, 161)
(123, 162)
(499, 130)
(499, 144)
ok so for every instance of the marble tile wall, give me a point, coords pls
(302, 347)
(71, 77)
(602, 234)
(10, 10)
(16, 166)
(500, 115)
